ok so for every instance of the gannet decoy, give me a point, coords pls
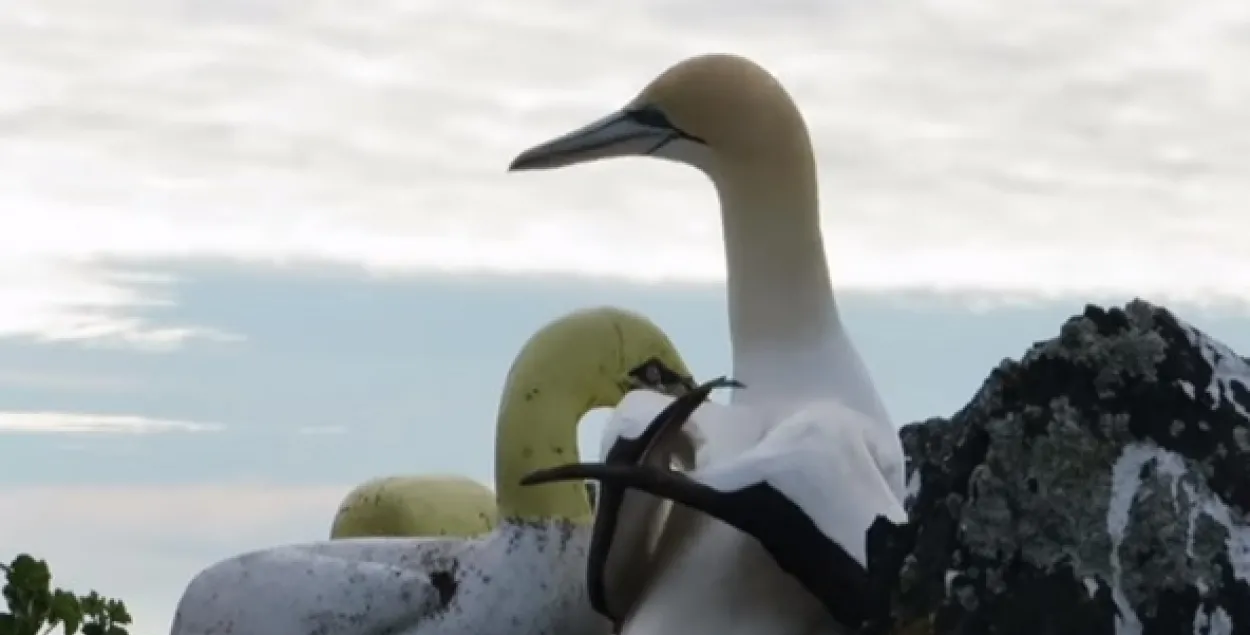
(412, 506)
(732, 120)
(430, 505)
(526, 577)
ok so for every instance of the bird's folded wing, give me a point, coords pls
(349, 588)
(824, 460)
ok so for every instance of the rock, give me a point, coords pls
(1098, 485)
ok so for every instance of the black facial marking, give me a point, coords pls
(650, 116)
(653, 117)
(654, 375)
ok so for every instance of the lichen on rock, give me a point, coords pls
(1098, 485)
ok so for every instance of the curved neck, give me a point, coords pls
(781, 301)
(537, 428)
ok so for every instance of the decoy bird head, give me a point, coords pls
(709, 111)
(653, 374)
(596, 355)
(580, 361)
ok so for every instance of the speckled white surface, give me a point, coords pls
(522, 579)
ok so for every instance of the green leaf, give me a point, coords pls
(32, 575)
(117, 612)
(12, 596)
(92, 604)
(65, 610)
(27, 594)
(36, 609)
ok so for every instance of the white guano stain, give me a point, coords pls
(1126, 482)
(1227, 368)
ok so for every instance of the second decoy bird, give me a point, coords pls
(526, 577)
(418, 505)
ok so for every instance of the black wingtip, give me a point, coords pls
(675, 414)
(887, 545)
(652, 480)
(704, 390)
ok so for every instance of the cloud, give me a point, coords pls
(79, 423)
(1035, 149)
(143, 544)
(51, 300)
(25, 379)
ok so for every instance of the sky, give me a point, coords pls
(254, 252)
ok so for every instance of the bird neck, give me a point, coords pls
(537, 428)
(781, 302)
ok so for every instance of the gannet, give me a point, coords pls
(414, 506)
(526, 577)
(730, 119)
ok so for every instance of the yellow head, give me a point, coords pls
(704, 111)
(589, 355)
(415, 506)
(583, 360)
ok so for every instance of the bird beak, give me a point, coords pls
(617, 135)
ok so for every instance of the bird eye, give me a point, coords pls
(653, 374)
(646, 372)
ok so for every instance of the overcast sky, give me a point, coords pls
(255, 251)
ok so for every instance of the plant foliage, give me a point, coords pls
(36, 608)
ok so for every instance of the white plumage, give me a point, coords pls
(824, 458)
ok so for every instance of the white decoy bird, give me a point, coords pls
(729, 118)
(526, 577)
